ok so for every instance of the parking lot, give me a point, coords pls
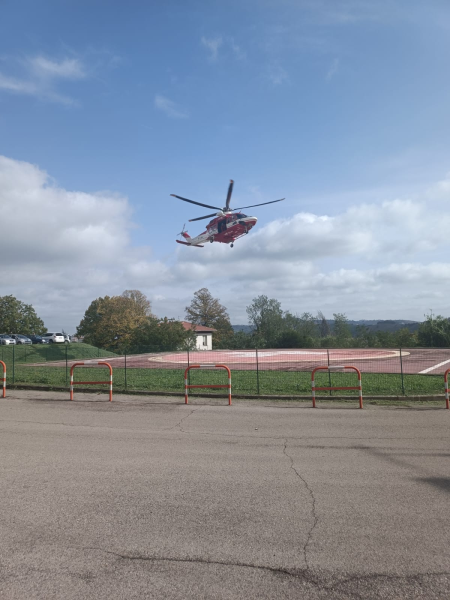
(149, 498)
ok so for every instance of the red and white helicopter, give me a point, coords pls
(228, 225)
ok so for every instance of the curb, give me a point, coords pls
(367, 398)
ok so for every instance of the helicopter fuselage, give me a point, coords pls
(225, 229)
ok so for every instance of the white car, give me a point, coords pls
(54, 338)
(6, 340)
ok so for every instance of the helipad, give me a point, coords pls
(275, 356)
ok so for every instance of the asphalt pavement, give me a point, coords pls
(149, 498)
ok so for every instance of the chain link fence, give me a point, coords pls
(280, 372)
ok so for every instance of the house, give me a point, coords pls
(204, 335)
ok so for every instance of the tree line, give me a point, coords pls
(126, 323)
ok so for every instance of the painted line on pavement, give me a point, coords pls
(435, 367)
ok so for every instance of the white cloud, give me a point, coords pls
(277, 74)
(373, 260)
(66, 248)
(40, 77)
(69, 68)
(170, 108)
(212, 45)
(16, 85)
(237, 50)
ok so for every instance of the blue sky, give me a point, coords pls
(341, 106)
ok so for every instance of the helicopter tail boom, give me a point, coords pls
(187, 244)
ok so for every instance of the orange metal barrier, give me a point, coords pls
(88, 364)
(447, 403)
(187, 387)
(314, 388)
(4, 378)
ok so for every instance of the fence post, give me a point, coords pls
(189, 372)
(401, 371)
(125, 370)
(67, 345)
(257, 372)
(14, 363)
(329, 372)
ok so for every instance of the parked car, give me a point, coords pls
(54, 338)
(21, 339)
(6, 340)
(67, 338)
(37, 339)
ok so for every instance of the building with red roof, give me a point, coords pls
(204, 335)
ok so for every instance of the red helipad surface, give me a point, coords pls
(368, 360)
(274, 356)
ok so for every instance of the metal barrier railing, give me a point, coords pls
(187, 387)
(447, 402)
(89, 364)
(4, 378)
(334, 368)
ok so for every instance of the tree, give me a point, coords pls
(324, 328)
(294, 339)
(341, 329)
(207, 311)
(18, 317)
(364, 337)
(434, 332)
(140, 299)
(110, 321)
(385, 339)
(162, 335)
(240, 340)
(266, 316)
(304, 324)
(404, 338)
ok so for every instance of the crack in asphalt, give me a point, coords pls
(73, 425)
(303, 574)
(313, 505)
(181, 420)
(299, 573)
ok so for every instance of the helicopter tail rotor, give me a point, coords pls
(184, 233)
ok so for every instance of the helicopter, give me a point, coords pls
(228, 225)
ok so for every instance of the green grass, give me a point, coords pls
(38, 353)
(243, 382)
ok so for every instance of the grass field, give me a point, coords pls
(38, 353)
(243, 382)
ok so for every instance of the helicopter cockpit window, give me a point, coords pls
(240, 216)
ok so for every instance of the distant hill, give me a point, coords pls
(244, 328)
(374, 325)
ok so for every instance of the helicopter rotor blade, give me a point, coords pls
(205, 217)
(262, 204)
(194, 202)
(230, 191)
